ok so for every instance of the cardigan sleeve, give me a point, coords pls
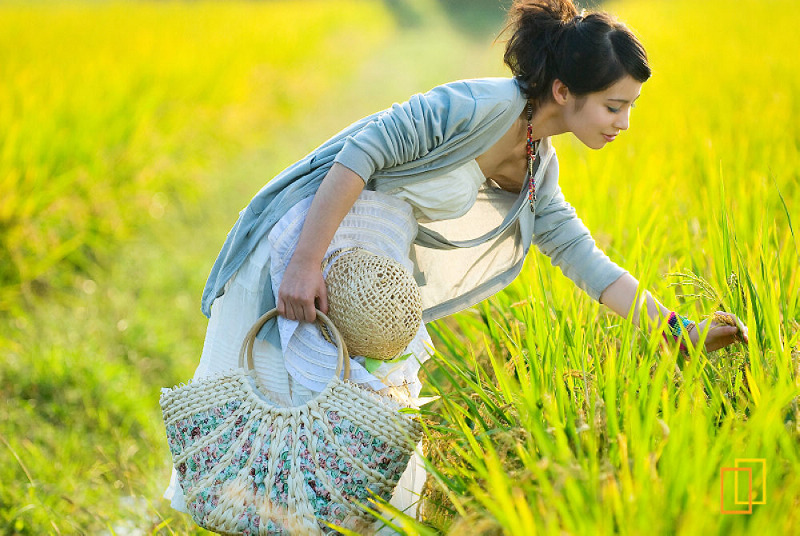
(562, 236)
(409, 131)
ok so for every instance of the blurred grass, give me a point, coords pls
(113, 109)
(133, 132)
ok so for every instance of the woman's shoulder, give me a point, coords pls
(484, 88)
(477, 99)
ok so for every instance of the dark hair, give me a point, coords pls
(588, 52)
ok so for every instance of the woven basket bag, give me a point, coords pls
(375, 303)
(249, 467)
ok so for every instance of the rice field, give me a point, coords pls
(132, 132)
(113, 107)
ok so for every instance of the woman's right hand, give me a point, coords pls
(303, 289)
(302, 292)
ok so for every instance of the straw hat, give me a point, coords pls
(374, 302)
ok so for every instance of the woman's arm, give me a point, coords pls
(561, 235)
(620, 296)
(303, 288)
(404, 133)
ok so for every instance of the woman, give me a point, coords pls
(470, 161)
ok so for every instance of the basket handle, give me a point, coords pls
(343, 359)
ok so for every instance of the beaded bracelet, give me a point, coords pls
(677, 324)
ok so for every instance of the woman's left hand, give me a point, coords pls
(725, 329)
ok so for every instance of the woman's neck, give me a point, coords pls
(547, 120)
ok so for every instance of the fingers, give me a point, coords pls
(322, 300)
(725, 329)
(308, 313)
(298, 292)
(729, 319)
(298, 305)
(721, 336)
(297, 309)
(725, 333)
(742, 330)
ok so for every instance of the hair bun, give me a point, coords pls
(579, 17)
(586, 51)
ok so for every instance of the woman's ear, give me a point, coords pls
(560, 92)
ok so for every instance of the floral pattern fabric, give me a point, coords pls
(246, 467)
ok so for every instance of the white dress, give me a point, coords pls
(376, 222)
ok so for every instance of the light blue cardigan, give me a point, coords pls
(420, 139)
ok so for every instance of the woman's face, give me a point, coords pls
(597, 118)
